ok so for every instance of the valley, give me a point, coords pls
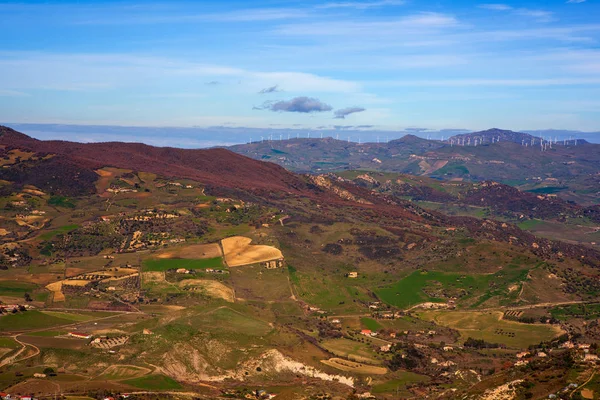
(204, 274)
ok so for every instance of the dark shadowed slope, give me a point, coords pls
(216, 167)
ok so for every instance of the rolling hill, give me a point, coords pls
(568, 170)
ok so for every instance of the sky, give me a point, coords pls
(380, 64)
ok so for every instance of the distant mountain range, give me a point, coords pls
(499, 135)
(200, 137)
(570, 168)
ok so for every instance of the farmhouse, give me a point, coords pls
(78, 335)
(352, 274)
(385, 348)
(366, 332)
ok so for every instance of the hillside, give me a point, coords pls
(568, 170)
(214, 167)
(127, 268)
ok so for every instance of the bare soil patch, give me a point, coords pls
(212, 288)
(238, 251)
(195, 251)
(351, 366)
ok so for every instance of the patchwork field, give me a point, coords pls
(154, 382)
(490, 326)
(360, 352)
(120, 372)
(354, 367)
(433, 286)
(164, 264)
(212, 288)
(238, 251)
(195, 251)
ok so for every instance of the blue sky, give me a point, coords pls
(279, 64)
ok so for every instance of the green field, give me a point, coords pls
(371, 324)
(47, 333)
(490, 326)
(356, 351)
(164, 264)
(30, 320)
(410, 290)
(69, 316)
(530, 224)
(586, 311)
(8, 343)
(58, 231)
(15, 289)
(404, 378)
(154, 382)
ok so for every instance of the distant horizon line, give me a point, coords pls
(226, 136)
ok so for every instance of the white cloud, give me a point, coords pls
(496, 7)
(249, 15)
(421, 22)
(539, 15)
(12, 93)
(108, 71)
(576, 1)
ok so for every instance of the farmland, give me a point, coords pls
(490, 327)
(238, 251)
(164, 264)
(471, 288)
(230, 322)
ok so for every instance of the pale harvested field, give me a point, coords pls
(357, 368)
(120, 278)
(75, 282)
(4, 232)
(213, 288)
(56, 289)
(118, 372)
(34, 192)
(157, 276)
(194, 251)
(587, 394)
(238, 251)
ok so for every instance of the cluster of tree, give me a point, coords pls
(406, 356)
(481, 344)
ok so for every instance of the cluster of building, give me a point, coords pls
(12, 308)
(7, 396)
(207, 270)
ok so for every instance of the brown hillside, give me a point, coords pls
(216, 167)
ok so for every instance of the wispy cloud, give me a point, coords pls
(361, 5)
(342, 113)
(298, 104)
(538, 15)
(496, 7)
(270, 89)
(576, 1)
(33, 70)
(411, 23)
(12, 93)
(249, 15)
